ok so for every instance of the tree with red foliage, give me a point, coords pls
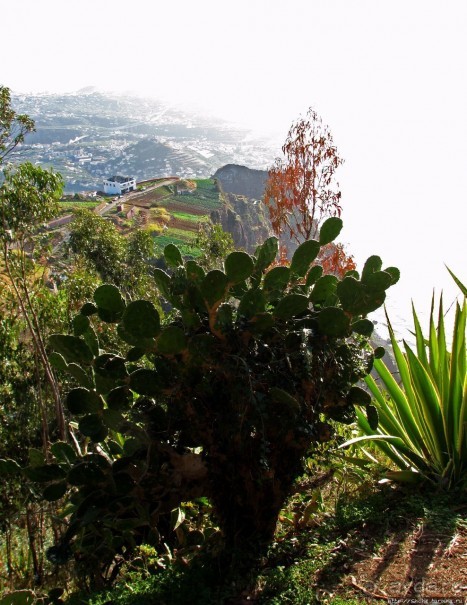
(334, 259)
(301, 190)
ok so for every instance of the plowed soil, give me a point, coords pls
(187, 208)
(183, 224)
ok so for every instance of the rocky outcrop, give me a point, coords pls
(245, 219)
(241, 180)
(243, 213)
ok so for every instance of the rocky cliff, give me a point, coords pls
(243, 214)
(241, 180)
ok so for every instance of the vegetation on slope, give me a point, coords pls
(164, 467)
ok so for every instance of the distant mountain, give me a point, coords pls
(88, 136)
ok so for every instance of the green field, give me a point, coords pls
(206, 196)
(68, 206)
(163, 191)
(186, 236)
(182, 242)
(195, 218)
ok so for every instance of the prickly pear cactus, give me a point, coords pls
(222, 401)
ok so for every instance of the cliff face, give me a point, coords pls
(241, 180)
(243, 214)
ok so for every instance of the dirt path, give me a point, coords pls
(421, 563)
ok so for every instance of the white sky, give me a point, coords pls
(388, 77)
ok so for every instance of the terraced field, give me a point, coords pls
(67, 207)
(185, 224)
(186, 212)
(182, 239)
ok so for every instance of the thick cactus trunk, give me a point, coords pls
(248, 498)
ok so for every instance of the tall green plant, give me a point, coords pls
(423, 420)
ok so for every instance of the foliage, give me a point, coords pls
(335, 260)
(301, 190)
(18, 392)
(69, 206)
(29, 197)
(221, 402)
(194, 218)
(301, 567)
(214, 243)
(123, 261)
(13, 126)
(422, 421)
(206, 196)
(97, 240)
(31, 407)
(159, 215)
(139, 250)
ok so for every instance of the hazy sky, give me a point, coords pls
(388, 77)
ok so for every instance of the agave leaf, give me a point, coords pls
(420, 339)
(407, 476)
(388, 420)
(373, 437)
(461, 442)
(463, 288)
(405, 379)
(429, 403)
(428, 410)
(457, 382)
(392, 445)
(406, 417)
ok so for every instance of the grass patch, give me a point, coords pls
(66, 207)
(205, 183)
(162, 192)
(180, 234)
(205, 196)
(195, 218)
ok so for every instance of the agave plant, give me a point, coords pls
(422, 424)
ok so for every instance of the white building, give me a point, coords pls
(119, 184)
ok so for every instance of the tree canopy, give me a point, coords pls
(301, 189)
(13, 126)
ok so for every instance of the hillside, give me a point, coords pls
(88, 136)
(172, 208)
